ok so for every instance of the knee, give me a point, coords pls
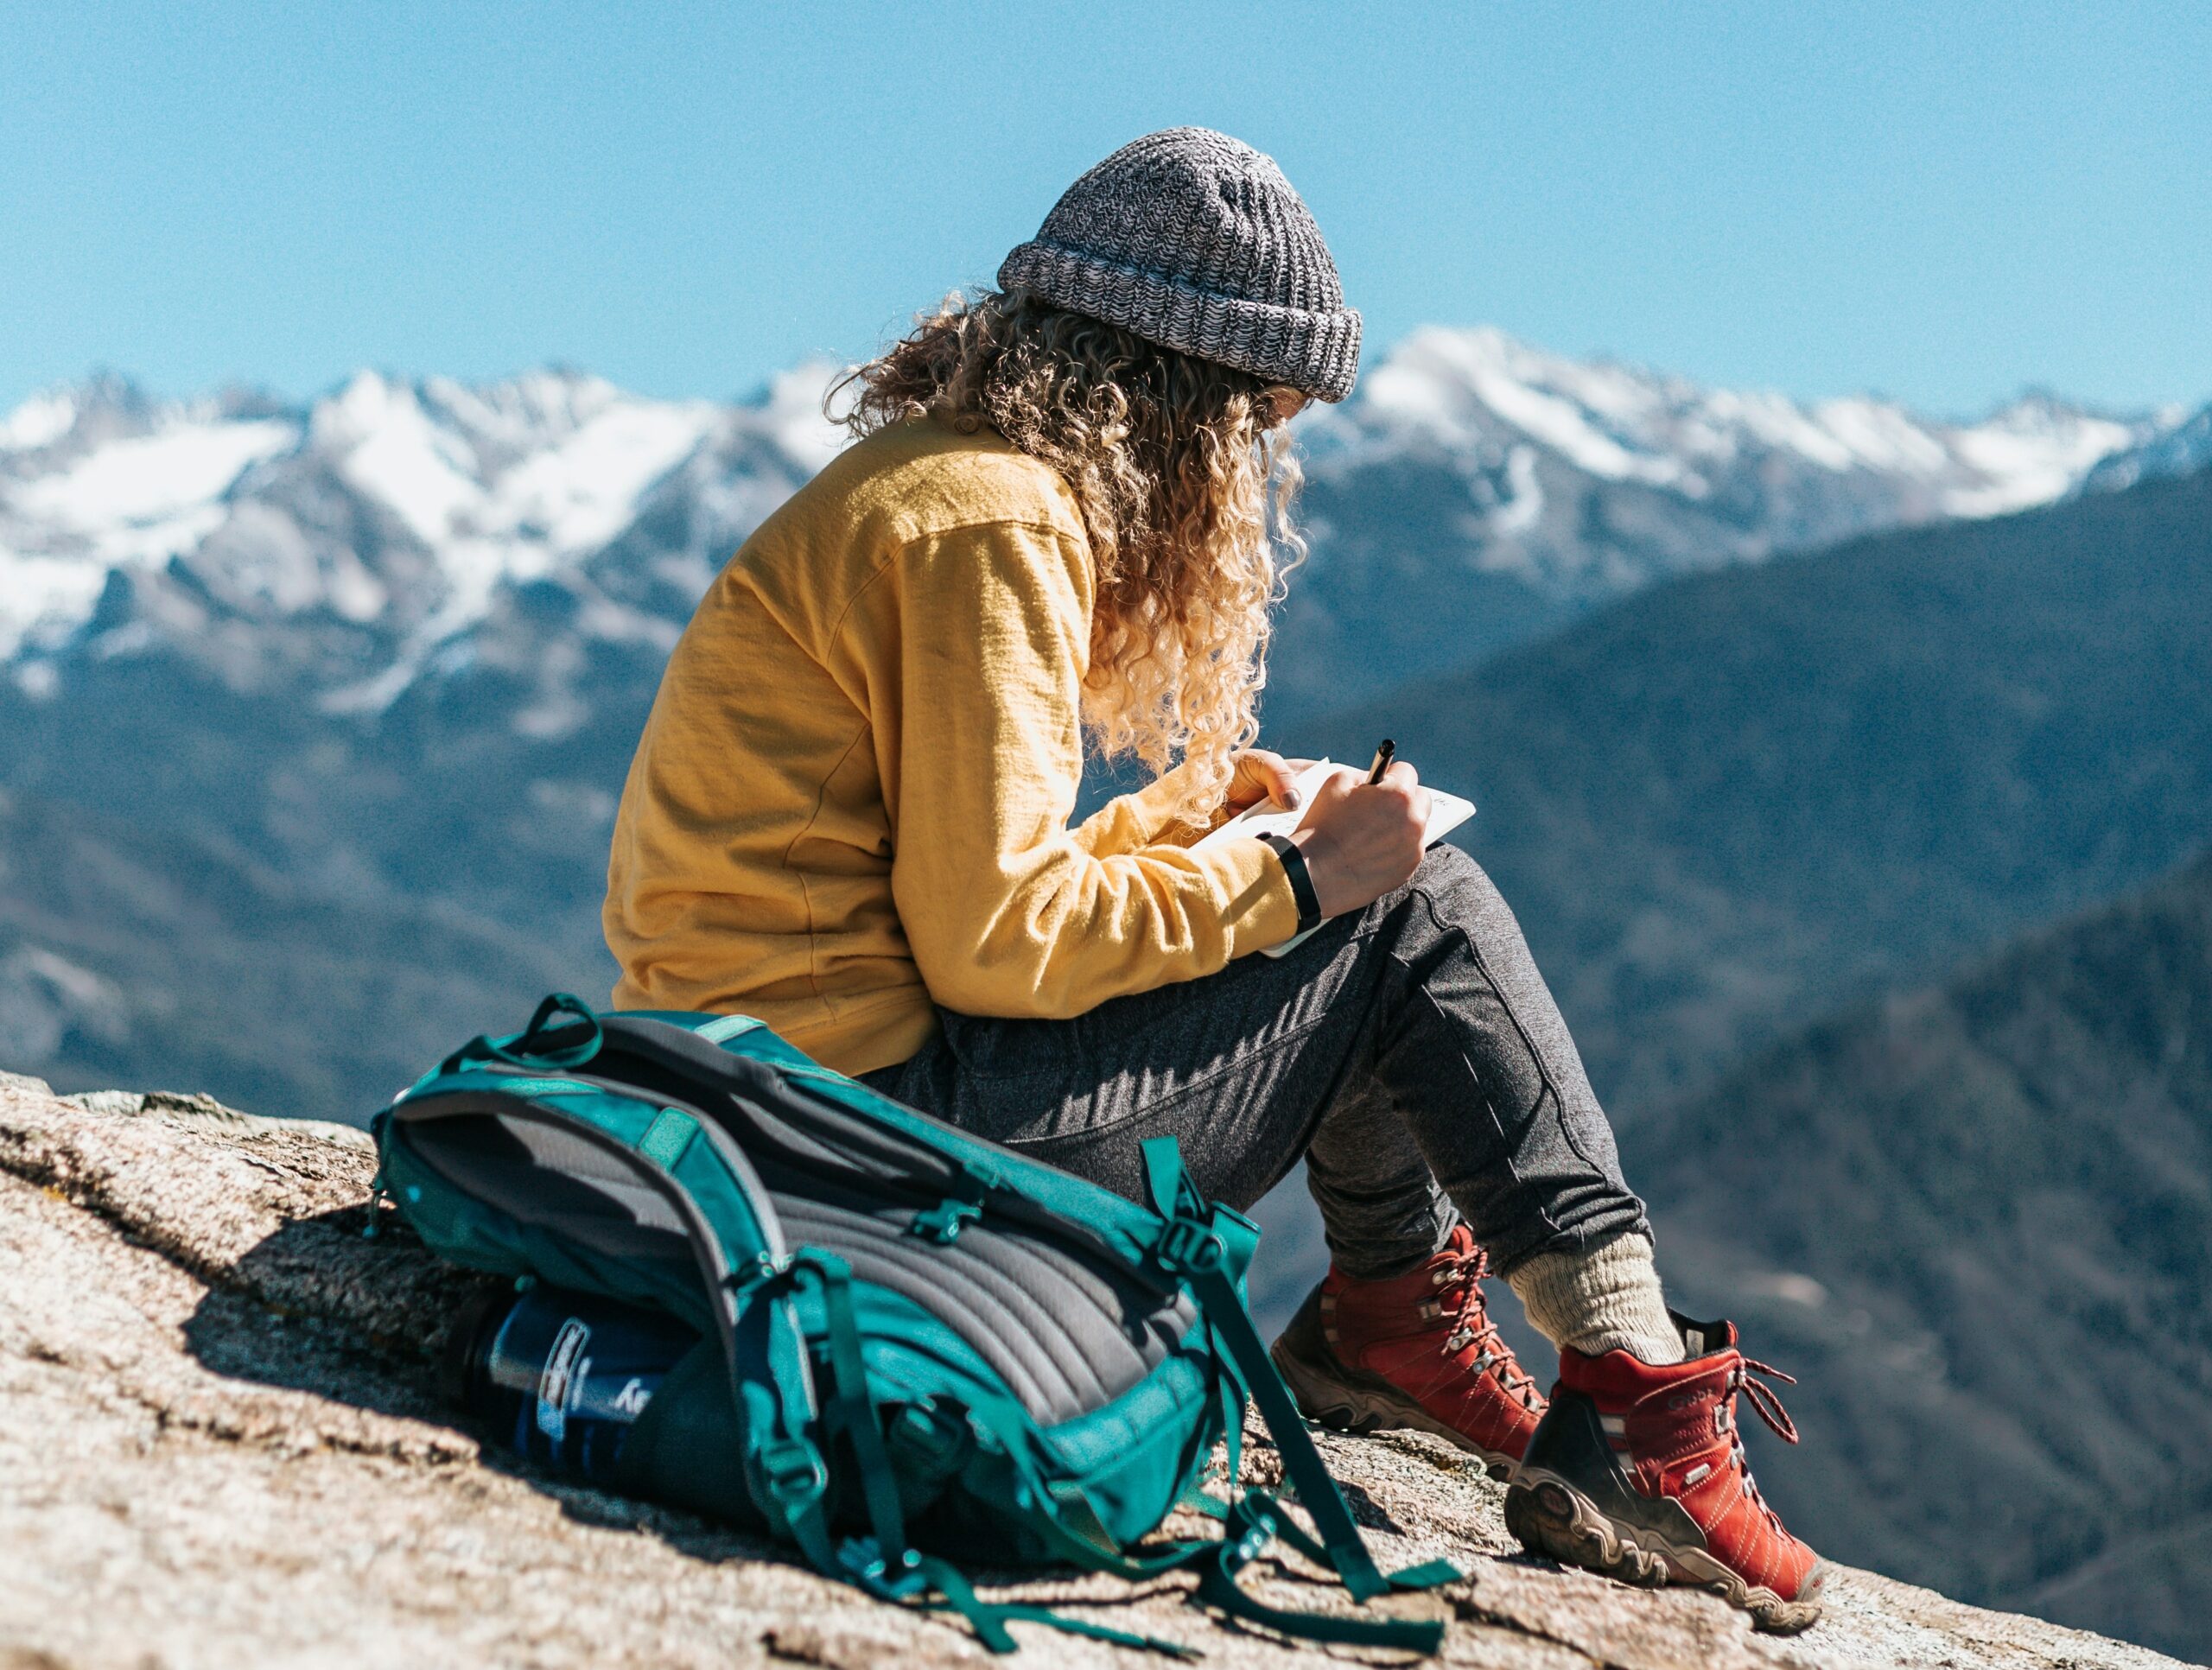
(1447, 873)
(1450, 890)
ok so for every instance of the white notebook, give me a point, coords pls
(1447, 812)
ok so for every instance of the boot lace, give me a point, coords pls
(1764, 1399)
(1461, 1301)
(1745, 1377)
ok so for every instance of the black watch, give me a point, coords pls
(1301, 881)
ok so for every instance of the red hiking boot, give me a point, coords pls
(1416, 1350)
(1638, 1472)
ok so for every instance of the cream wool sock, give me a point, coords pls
(1605, 1298)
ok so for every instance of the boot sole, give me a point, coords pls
(1549, 1516)
(1327, 1397)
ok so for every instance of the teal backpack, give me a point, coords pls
(912, 1341)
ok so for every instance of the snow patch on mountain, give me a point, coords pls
(502, 486)
(2183, 448)
(1454, 386)
(40, 420)
(1460, 389)
(147, 498)
(505, 482)
(150, 487)
(406, 506)
(2032, 452)
(790, 415)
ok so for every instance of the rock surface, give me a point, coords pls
(220, 1445)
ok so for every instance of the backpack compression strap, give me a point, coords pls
(1191, 1248)
(789, 1477)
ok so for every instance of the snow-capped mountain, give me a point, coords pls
(313, 717)
(1468, 391)
(2181, 448)
(348, 543)
(1475, 491)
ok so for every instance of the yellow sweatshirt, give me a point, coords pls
(852, 795)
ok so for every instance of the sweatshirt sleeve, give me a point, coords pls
(1144, 818)
(1006, 910)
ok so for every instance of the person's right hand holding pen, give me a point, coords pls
(1360, 840)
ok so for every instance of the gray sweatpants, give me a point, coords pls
(1409, 1053)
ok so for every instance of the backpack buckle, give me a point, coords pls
(972, 1184)
(1252, 1522)
(792, 1469)
(942, 1222)
(865, 1562)
(762, 1267)
(380, 1194)
(1188, 1247)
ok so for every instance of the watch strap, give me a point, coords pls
(1301, 881)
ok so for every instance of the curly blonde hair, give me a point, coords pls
(1184, 476)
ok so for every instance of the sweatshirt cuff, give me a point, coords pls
(1258, 908)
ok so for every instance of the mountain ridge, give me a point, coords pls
(349, 547)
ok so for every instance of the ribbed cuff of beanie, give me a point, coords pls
(1602, 1299)
(1314, 351)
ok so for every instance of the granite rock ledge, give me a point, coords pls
(220, 1445)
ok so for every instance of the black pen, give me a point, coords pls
(1384, 755)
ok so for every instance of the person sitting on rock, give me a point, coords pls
(1066, 517)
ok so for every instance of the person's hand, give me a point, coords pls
(1260, 776)
(1361, 839)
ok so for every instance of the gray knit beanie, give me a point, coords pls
(1195, 241)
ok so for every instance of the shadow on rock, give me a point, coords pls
(316, 1307)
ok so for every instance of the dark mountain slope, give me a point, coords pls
(288, 909)
(1738, 799)
(133, 953)
(1977, 1222)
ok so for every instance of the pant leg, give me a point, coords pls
(1409, 1052)
(1242, 1068)
(1480, 1063)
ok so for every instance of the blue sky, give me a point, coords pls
(1941, 203)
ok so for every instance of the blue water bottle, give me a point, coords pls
(564, 1376)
